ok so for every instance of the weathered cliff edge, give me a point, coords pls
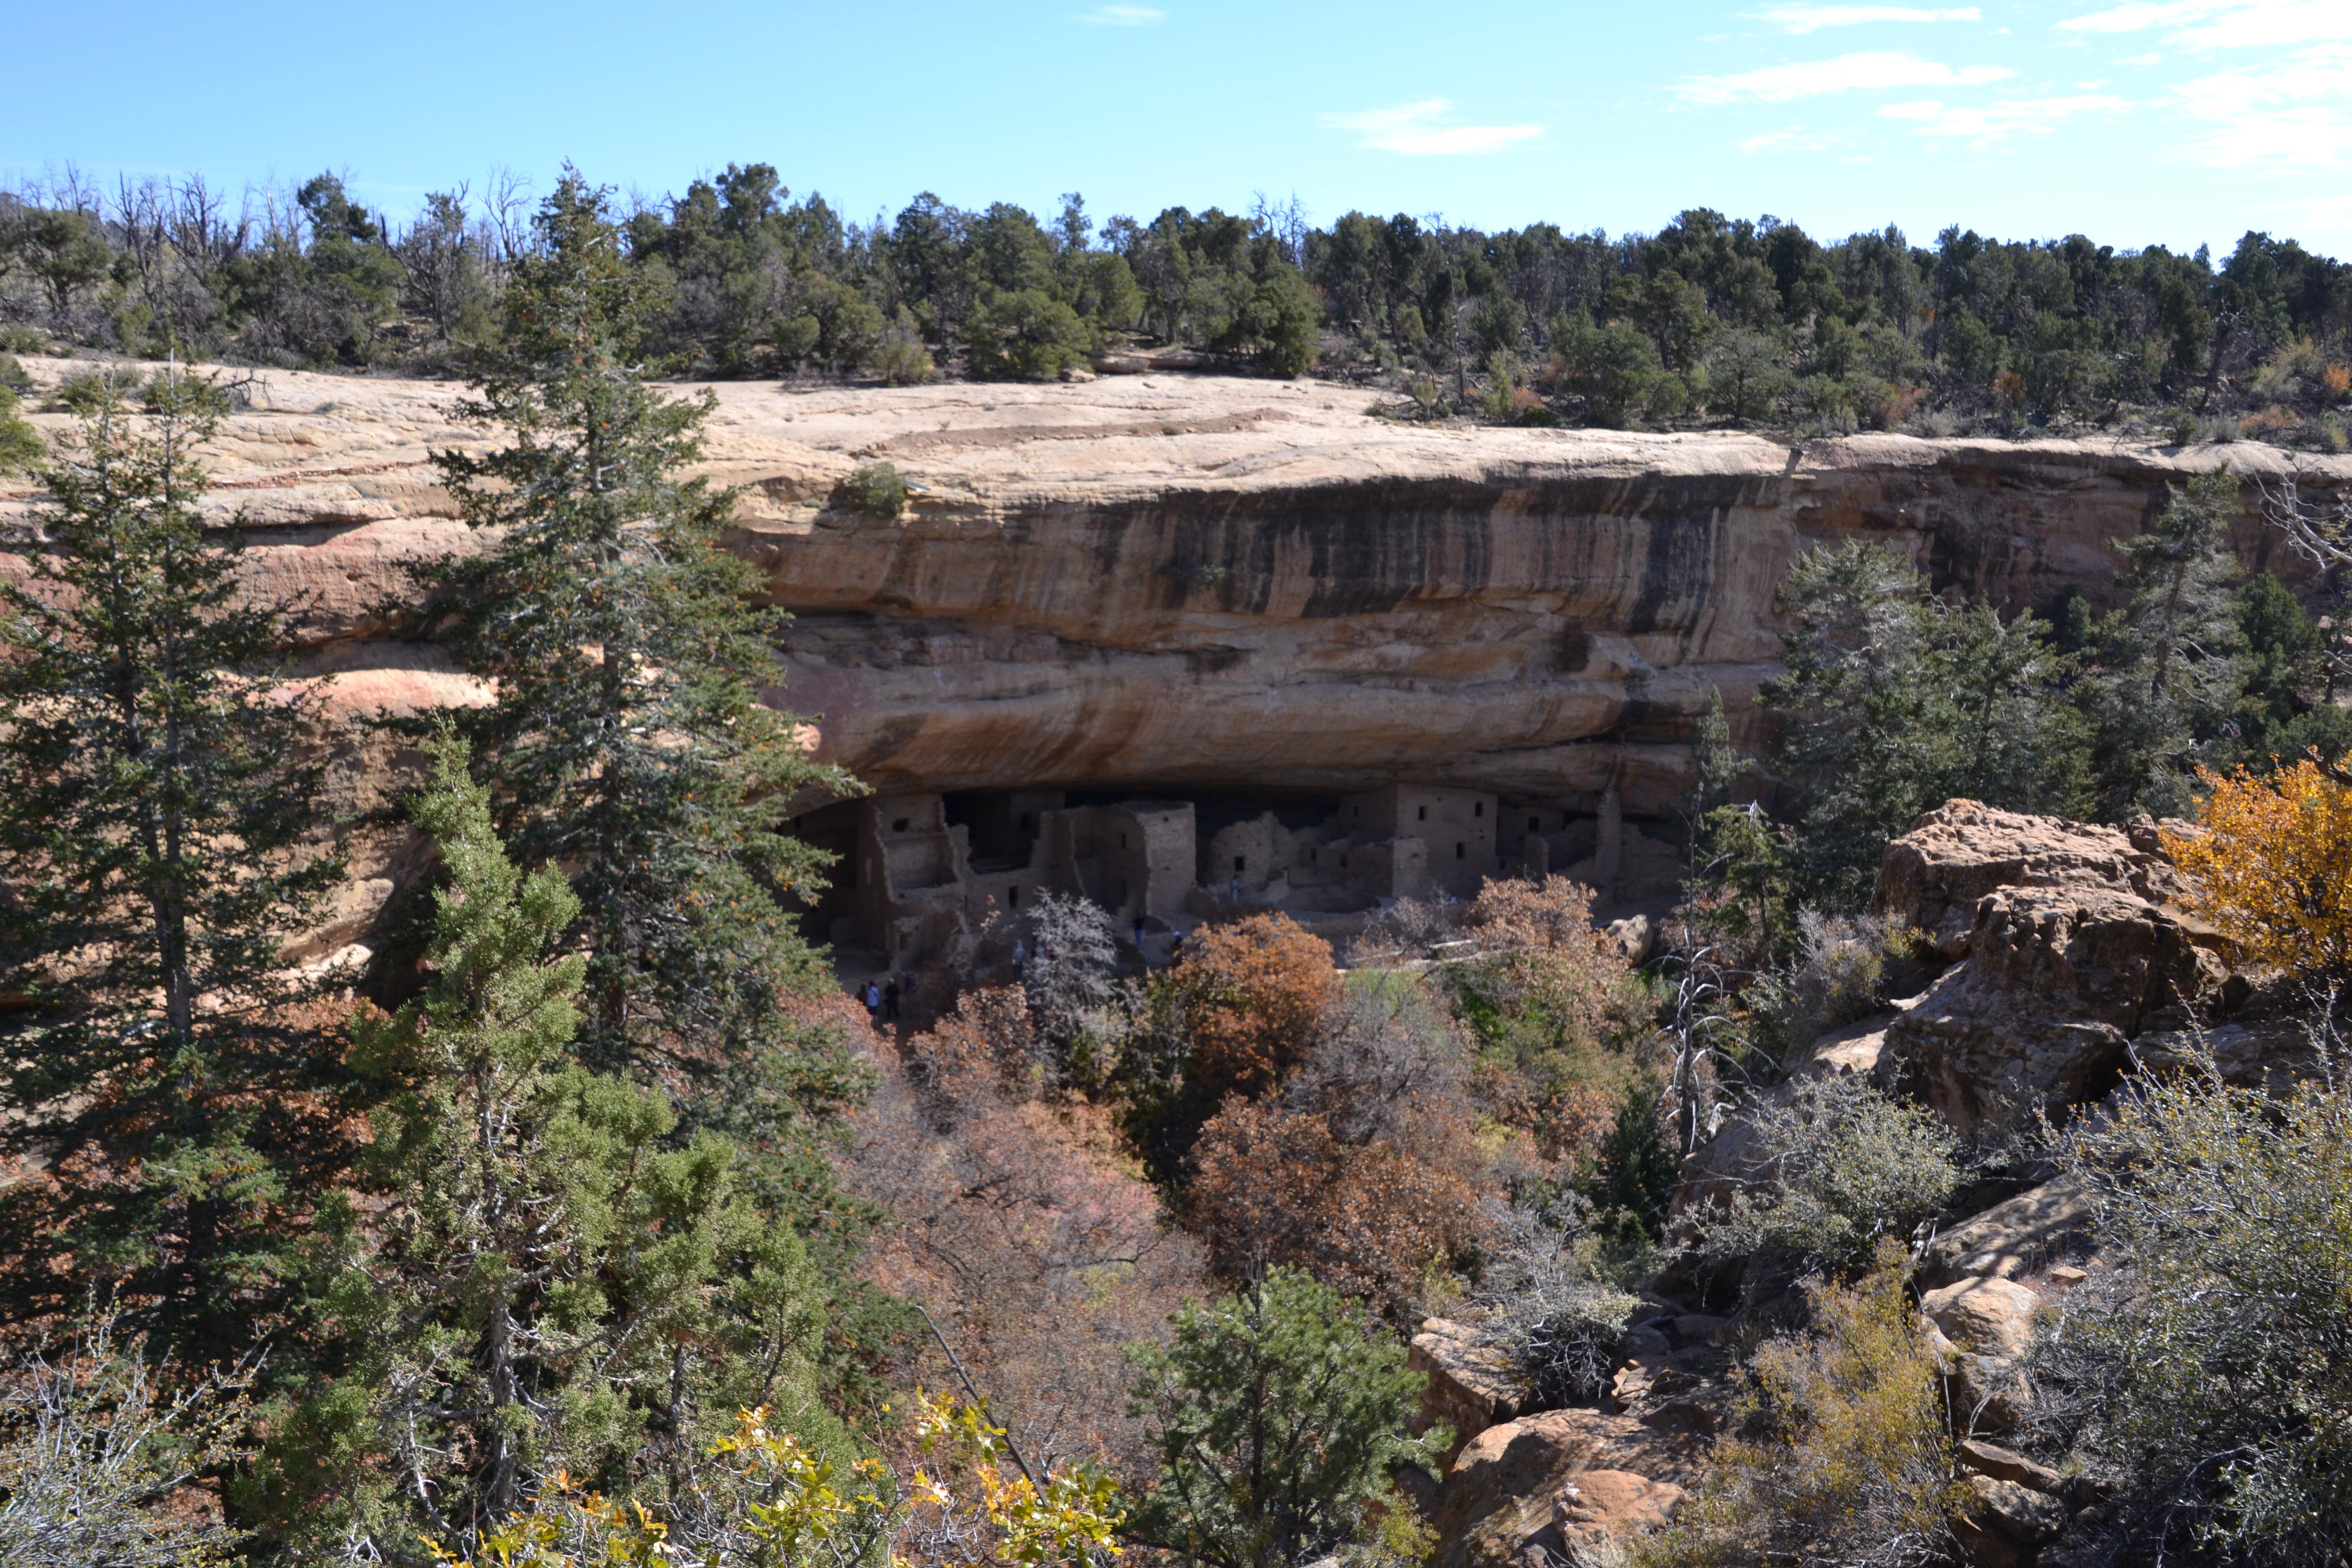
(1203, 583)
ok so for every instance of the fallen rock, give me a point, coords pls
(1989, 1393)
(1603, 1507)
(1636, 936)
(1934, 876)
(1990, 1459)
(1982, 1546)
(2025, 1516)
(1470, 1386)
(2012, 1237)
(1500, 1497)
(1984, 1315)
(2058, 979)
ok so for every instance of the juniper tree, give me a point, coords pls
(1278, 1416)
(2171, 662)
(153, 807)
(629, 742)
(533, 1274)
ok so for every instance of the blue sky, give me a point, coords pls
(2172, 121)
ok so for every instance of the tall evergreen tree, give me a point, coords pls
(1894, 700)
(628, 742)
(534, 1275)
(154, 806)
(2172, 661)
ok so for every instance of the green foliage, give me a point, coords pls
(1023, 335)
(1894, 700)
(1277, 1416)
(877, 489)
(1842, 1454)
(2288, 705)
(1630, 1179)
(534, 1275)
(628, 741)
(2209, 1379)
(2171, 661)
(1838, 1168)
(1616, 370)
(20, 444)
(156, 796)
(1746, 374)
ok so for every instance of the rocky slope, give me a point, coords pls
(2067, 954)
(1208, 583)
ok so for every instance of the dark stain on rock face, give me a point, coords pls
(1371, 548)
(1575, 649)
(1677, 570)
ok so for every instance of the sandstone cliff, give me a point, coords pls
(1214, 583)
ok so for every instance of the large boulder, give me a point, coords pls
(1933, 876)
(1470, 1386)
(1524, 1491)
(2014, 1238)
(2057, 983)
(1984, 1315)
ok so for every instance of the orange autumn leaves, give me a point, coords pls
(1253, 994)
(2273, 867)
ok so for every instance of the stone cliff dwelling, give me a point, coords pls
(917, 871)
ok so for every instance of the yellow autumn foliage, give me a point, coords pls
(2273, 867)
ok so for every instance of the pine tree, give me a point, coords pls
(534, 1275)
(2172, 661)
(1278, 1418)
(1894, 700)
(629, 742)
(153, 808)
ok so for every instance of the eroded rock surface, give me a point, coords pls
(1537, 1484)
(2070, 953)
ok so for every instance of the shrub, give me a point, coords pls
(1068, 982)
(86, 393)
(765, 1498)
(2273, 867)
(1273, 1185)
(1021, 1226)
(1839, 1169)
(2211, 1380)
(1366, 1174)
(20, 444)
(1252, 993)
(1842, 1458)
(1279, 1417)
(1845, 971)
(877, 489)
(1546, 1307)
(99, 1466)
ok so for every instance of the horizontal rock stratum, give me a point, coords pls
(1195, 583)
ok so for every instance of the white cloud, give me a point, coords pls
(1121, 16)
(2224, 24)
(1872, 72)
(2280, 113)
(1421, 128)
(1985, 124)
(1811, 18)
